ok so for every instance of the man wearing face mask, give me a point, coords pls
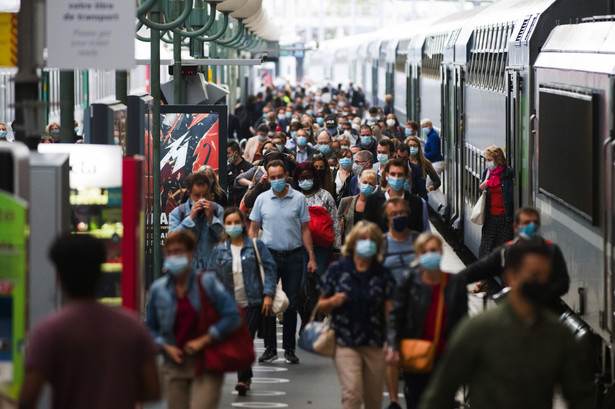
(331, 126)
(363, 160)
(348, 132)
(491, 268)
(200, 216)
(516, 354)
(303, 152)
(236, 166)
(3, 132)
(373, 116)
(253, 145)
(367, 141)
(324, 141)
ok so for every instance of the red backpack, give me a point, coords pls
(321, 226)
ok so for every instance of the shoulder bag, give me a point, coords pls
(419, 355)
(318, 337)
(478, 212)
(232, 354)
(280, 300)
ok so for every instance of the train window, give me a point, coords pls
(569, 176)
(487, 68)
(433, 53)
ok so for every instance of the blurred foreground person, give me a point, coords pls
(92, 355)
(514, 355)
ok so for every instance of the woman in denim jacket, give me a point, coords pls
(172, 316)
(236, 263)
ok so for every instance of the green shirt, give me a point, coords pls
(510, 365)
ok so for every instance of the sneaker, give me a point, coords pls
(269, 355)
(394, 405)
(242, 388)
(290, 357)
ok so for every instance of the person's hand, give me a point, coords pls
(209, 208)
(195, 345)
(174, 353)
(480, 287)
(264, 179)
(292, 158)
(338, 299)
(267, 305)
(392, 357)
(312, 267)
(483, 186)
(195, 209)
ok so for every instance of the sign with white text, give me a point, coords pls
(91, 34)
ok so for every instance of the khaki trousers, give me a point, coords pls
(361, 374)
(185, 391)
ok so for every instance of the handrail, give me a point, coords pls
(221, 32)
(144, 7)
(196, 33)
(235, 37)
(173, 24)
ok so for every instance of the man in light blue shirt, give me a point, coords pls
(201, 216)
(283, 215)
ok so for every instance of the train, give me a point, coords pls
(538, 79)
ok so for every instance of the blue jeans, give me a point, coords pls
(290, 270)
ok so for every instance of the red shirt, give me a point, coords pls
(186, 324)
(429, 330)
(496, 201)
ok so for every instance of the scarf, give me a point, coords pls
(495, 176)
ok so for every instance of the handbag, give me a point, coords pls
(478, 212)
(280, 300)
(318, 337)
(232, 354)
(419, 355)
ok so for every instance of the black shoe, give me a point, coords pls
(242, 388)
(269, 355)
(394, 405)
(290, 357)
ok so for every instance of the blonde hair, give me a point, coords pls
(213, 180)
(358, 232)
(425, 163)
(498, 155)
(426, 122)
(368, 173)
(423, 239)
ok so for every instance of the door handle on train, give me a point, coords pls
(533, 121)
(581, 291)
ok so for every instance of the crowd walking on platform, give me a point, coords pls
(325, 212)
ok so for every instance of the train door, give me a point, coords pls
(375, 80)
(514, 140)
(409, 93)
(456, 169)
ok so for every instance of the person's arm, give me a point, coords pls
(245, 179)
(224, 304)
(397, 315)
(487, 267)
(215, 224)
(306, 237)
(430, 149)
(254, 228)
(151, 318)
(433, 175)
(31, 389)
(270, 267)
(326, 305)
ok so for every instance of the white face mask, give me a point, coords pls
(390, 122)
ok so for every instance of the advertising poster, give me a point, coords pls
(13, 256)
(190, 136)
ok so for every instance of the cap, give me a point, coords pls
(330, 121)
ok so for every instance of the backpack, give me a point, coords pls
(321, 226)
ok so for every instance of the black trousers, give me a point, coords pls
(253, 319)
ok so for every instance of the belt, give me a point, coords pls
(285, 252)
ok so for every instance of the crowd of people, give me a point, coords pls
(330, 199)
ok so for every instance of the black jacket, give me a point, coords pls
(507, 193)
(374, 211)
(411, 305)
(310, 152)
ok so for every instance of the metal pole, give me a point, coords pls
(67, 106)
(155, 86)
(121, 86)
(26, 80)
(177, 68)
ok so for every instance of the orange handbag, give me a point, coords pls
(419, 355)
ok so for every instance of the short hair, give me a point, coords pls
(396, 201)
(388, 98)
(77, 259)
(403, 148)
(366, 156)
(373, 110)
(368, 173)
(426, 122)
(196, 179)
(388, 143)
(182, 237)
(399, 163)
(423, 239)
(229, 211)
(326, 132)
(498, 155)
(262, 128)
(280, 135)
(234, 146)
(275, 163)
(365, 126)
(517, 253)
(358, 233)
(526, 210)
(413, 125)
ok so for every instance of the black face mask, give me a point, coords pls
(538, 294)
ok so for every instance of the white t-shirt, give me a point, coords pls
(240, 292)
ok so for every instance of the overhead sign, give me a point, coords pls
(90, 165)
(8, 40)
(91, 34)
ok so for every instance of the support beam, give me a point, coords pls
(67, 106)
(121, 86)
(155, 87)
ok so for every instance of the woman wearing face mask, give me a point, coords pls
(499, 209)
(392, 129)
(323, 169)
(416, 308)
(236, 263)
(352, 208)
(422, 170)
(216, 193)
(53, 132)
(343, 174)
(358, 291)
(410, 130)
(173, 309)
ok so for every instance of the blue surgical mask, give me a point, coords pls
(407, 185)
(293, 134)
(278, 185)
(529, 231)
(396, 183)
(366, 248)
(261, 138)
(324, 149)
(264, 115)
(2, 134)
(176, 265)
(301, 140)
(341, 104)
(76, 129)
(55, 132)
(425, 131)
(366, 140)
(408, 131)
(320, 121)
(116, 140)
(234, 230)
(345, 162)
(307, 184)
(414, 150)
(280, 147)
(294, 120)
(310, 112)
(289, 115)
(430, 261)
(383, 158)
(281, 116)
(366, 189)
(332, 131)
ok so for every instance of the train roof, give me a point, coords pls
(586, 47)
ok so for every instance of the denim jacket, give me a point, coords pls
(221, 261)
(507, 182)
(207, 234)
(162, 307)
